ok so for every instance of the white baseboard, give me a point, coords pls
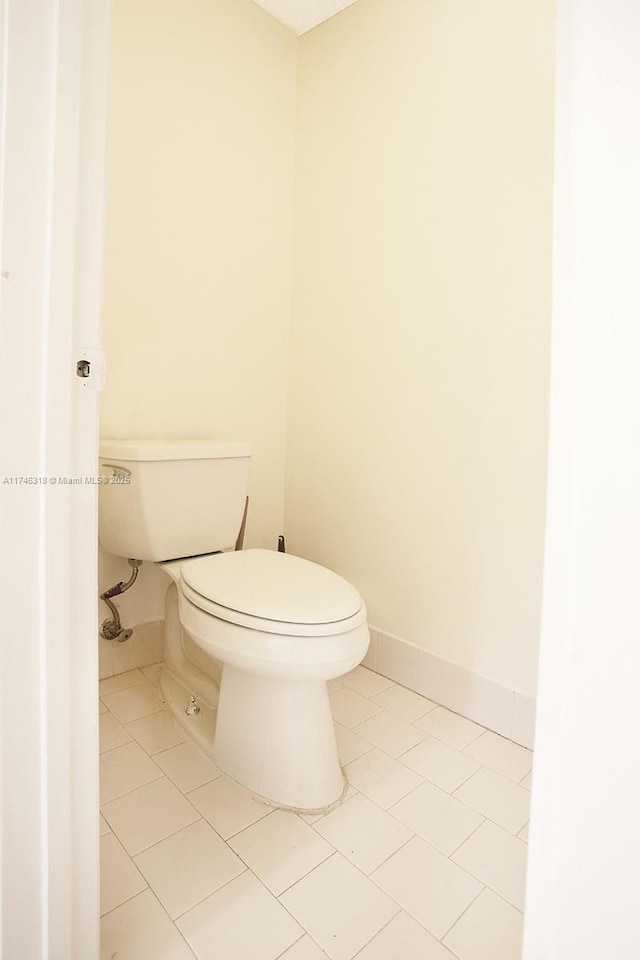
(505, 711)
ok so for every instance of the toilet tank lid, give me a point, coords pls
(140, 450)
(272, 586)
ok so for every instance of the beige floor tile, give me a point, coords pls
(441, 764)
(148, 815)
(527, 781)
(455, 730)
(304, 949)
(349, 708)
(428, 885)
(140, 930)
(350, 745)
(152, 834)
(112, 733)
(404, 939)
(120, 682)
(102, 707)
(501, 800)
(491, 929)
(123, 769)
(187, 766)
(497, 859)
(134, 702)
(188, 866)
(120, 879)
(280, 849)
(502, 755)
(241, 921)
(363, 833)
(404, 703)
(314, 817)
(381, 778)
(366, 682)
(228, 807)
(390, 734)
(437, 817)
(339, 907)
(153, 672)
(157, 732)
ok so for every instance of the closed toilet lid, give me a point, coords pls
(272, 586)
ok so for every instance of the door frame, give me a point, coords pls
(53, 113)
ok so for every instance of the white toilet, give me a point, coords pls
(251, 635)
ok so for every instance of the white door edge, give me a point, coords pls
(52, 148)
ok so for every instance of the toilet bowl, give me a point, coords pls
(251, 635)
(280, 627)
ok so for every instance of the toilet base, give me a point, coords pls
(276, 738)
(272, 735)
(292, 793)
(199, 727)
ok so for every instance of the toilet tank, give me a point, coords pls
(160, 500)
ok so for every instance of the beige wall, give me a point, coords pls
(199, 234)
(419, 354)
(416, 424)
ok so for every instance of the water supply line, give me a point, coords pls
(112, 629)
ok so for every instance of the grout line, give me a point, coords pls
(398, 911)
(457, 865)
(458, 919)
(404, 842)
(419, 835)
(175, 833)
(481, 734)
(113, 693)
(285, 907)
(130, 858)
(504, 899)
(305, 875)
(120, 796)
(162, 776)
(155, 843)
(265, 816)
(382, 862)
(462, 783)
(217, 890)
(489, 886)
(484, 820)
(175, 926)
(291, 945)
(406, 796)
(128, 900)
(521, 839)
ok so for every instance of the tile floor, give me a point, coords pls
(423, 860)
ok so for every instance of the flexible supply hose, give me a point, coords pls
(112, 629)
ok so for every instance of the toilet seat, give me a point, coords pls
(272, 592)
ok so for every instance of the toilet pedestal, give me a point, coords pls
(276, 737)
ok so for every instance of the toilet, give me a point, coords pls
(251, 636)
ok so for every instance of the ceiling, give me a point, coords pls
(302, 15)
